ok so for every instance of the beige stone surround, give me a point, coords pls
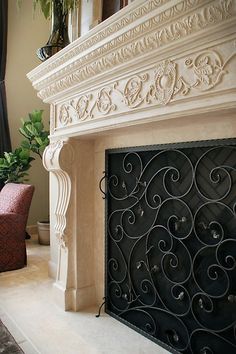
(156, 72)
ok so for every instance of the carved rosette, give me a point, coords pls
(58, 158)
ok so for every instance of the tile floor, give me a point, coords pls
(39, 326)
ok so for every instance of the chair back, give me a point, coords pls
(16, 198)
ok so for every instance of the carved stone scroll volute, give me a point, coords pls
(58, 158)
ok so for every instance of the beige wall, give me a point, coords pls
(26, 33)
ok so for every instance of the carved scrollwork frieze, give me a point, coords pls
(165, 82)
(58, 158)
(142, 39)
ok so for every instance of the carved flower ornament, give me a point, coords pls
(203, 70)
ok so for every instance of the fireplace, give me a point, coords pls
(170, 239)
(156, 72)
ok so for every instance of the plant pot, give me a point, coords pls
(44, 232)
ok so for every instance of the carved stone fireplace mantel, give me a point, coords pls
(157, 71)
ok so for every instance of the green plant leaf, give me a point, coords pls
(25, 144)
(46, 6)
(38, 126)
(39, 140)
(36, 116)
(24, 154)
(24, 162)
(32, 130)
(34, 148)
(44, 135)
(7, 156)
(24, 133)
(14, 165)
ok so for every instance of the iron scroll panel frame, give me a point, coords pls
(183, 251)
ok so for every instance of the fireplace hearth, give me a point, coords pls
(170, 243)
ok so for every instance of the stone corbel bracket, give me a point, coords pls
(58, 158)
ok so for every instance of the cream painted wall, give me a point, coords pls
(26, 33)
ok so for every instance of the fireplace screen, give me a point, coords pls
(171, 244)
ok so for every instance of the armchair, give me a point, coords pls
(15, 200)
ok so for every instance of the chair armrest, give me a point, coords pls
(12, 226)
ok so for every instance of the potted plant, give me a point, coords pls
(14, 165)
(36, 139)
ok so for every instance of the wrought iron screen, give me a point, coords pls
(171, 244)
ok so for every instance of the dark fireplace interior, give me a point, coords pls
(171, 243)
